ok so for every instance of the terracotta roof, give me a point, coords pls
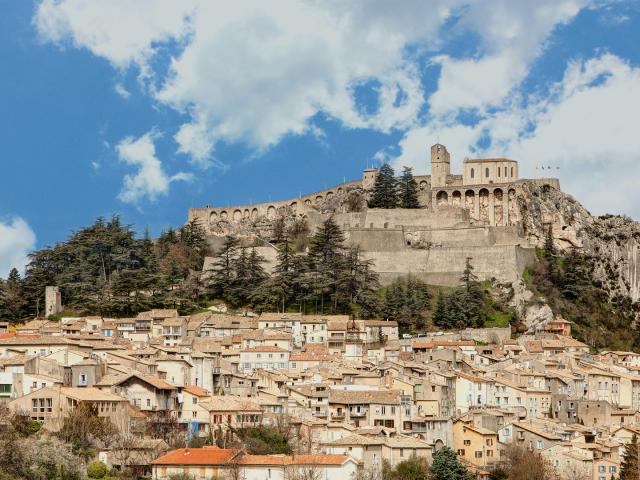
(293, 459)
(195, 390)
(197, 456)
(91, 394)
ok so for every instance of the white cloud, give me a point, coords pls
(257, 71)
(122, 91)
(150, 180)
(16, 241)
(514, 33)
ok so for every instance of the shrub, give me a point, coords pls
(96, 469)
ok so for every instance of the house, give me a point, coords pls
(212, 462)
(191, 414)
(52, 404)
(230, 412)
(475, 445)
(147, 392)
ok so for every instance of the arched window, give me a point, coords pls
(486, 172)
(472, 173)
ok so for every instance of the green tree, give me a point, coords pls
(222, 272)
(385, 189)
(575, 276)
(446, 466)
(408, 190)
(629, 464)
(326, 260)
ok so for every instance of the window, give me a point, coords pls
(194, 414)
(402, 452)
(467, 442)
(82, 379)
(478, 454)
(512, 171)
(489, 453)
(486, 172)
(498, 169)
(472, 173)
(613, 469)
(148, 402)
(602, 469)
(195, 400)
(540, 445)
(489, 442)
(461, 452)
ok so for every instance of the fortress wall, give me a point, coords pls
(444, 266)
(378, 240)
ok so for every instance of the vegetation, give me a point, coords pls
(446, 466)
(391, 192)
(629, 464)
(104, 269)
(566, 283)
(522, 464)
(264, 440)
(385, 189)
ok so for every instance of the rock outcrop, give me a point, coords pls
(611, 242)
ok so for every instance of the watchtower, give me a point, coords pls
(440, 165)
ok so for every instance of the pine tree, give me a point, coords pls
(385, 189)
(222, 272)
(326, 260)
(575, 278)
(440, 314)
(629, 464)
(549, 250)
(446, 466)
(408, 190)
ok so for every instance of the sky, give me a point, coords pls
(144, 109)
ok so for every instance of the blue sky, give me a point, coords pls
(147, 108)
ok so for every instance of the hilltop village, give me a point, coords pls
(370, 379)
(184, 394)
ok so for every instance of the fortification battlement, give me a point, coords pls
(487, 189)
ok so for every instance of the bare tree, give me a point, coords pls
(302, 472)
(522, 464)
(163, 425)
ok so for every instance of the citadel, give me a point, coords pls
(475, 214)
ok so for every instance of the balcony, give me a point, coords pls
(322, 412)
(356, 414)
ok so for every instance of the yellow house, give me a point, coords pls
(475, 445)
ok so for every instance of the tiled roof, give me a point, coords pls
(195, 390)
(293, 459)
(91, 394)
(197, 456)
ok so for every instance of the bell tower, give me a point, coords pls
(440, 165)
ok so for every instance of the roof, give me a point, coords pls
(380, 397)
(264, 348)
(91, 394)
(488, 160)
(293, 459)
(195, 390)
(230, 403)
(197, 456)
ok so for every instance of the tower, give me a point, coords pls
(52, 301)
(440, 165)
(369, 178)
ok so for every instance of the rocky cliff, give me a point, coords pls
(611, 242)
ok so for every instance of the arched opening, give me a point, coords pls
(442, 198)
(329, 195)
(483, 196)
(512, 207)
(237, 215)
(339, 190)
(254, 213)
(469, 202)
(307, 202)
(213, 217)
(293, 206)
(271, 212)
(319, 199)
(498, 212)
(246, 213)
(456, 198)
(223, 215)
(423, 185)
